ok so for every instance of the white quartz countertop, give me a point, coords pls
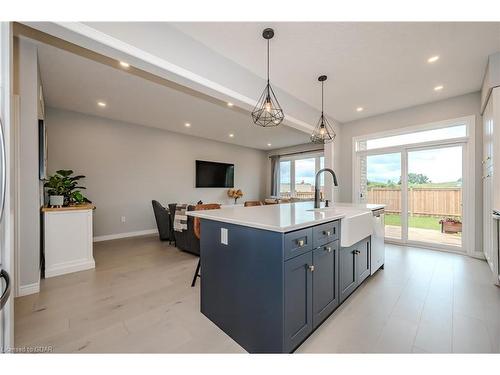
(367, 206)
(280, 217)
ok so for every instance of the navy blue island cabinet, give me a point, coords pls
(269, 290)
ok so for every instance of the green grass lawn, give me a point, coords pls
(424, 222)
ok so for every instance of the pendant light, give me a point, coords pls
(267, 112)
(323, 133)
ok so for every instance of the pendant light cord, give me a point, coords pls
(322, 95)
(268, 61)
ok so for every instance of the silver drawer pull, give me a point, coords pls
(328, 248)
(301, 243)
(311, 268)
(327, 233)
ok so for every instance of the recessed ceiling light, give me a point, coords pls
(187, 125)
(124, 64)
(433, 59)
(269, 145)
(231, 135)
(359, 109)
(229, 104)
(101, 104)
(438, 88)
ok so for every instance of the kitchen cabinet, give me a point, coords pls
(325, 291)
(354, 267)
(490, 106)
(363, 260)
(298, 299)
(270, 290)
(347, 272)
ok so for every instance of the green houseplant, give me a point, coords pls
(64, 189)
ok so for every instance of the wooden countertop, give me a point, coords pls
(86, 206)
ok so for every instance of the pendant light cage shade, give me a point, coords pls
(323, 132)
(268, 112)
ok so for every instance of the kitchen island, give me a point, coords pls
(272, 274)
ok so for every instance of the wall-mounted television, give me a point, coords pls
(210, 174)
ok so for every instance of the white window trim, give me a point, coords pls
(316, 155)
(468, 168)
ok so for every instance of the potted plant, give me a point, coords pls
(64, 190)
(235, 193)
(450, 225)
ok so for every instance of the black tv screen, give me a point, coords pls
(214, 175)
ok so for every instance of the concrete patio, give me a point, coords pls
(425, 235)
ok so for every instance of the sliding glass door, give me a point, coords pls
(434, 195)
(383, 186)
(421, 188)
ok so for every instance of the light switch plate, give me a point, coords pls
(223, 236)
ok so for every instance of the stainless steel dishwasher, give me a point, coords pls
(377, 258)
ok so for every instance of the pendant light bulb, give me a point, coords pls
(268, 106)
(322, 130)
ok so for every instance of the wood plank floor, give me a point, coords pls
(139, 299)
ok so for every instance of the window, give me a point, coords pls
(445, 133)
(285, 185)
(297, 176)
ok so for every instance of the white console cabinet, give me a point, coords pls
(68, 239)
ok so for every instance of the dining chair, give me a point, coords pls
(197, 227)
(253, 203)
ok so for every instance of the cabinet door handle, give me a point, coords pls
(327, 233)
(356, 252)
(301, 243)
(311, 268)
(328, 248)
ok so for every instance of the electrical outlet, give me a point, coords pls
(123, 219)
(223, 236)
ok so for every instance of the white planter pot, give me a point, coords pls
(56, 200)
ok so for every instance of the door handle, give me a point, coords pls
(327, 233)
(328, 248)
(356, 252)
(5, 295)
(311, 268)
(301, 243)
(3, 173)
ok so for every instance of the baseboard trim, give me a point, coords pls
(69, 267)
(25, 290)
(125, 235)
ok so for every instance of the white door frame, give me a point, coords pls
(7, 224)
(468, 176)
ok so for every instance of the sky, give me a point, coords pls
(440, 165)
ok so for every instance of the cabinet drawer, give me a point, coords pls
(297, 242)
(324, 233)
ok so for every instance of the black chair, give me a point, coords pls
(162, 221)
(185, 240)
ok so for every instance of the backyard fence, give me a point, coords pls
(421, 201)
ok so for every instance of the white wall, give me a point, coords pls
(459, 106)
(128, 165)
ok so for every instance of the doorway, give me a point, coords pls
(422, 181)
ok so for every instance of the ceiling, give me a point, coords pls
(381, 67)
(76, 83)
